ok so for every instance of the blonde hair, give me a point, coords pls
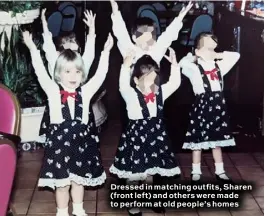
(65, 57)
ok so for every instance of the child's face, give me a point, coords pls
(71, 77)
(146, 80)
(144, 37)
(208, 43)
(207, 47)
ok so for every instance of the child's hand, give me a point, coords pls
(43, 17)
(44, 21)
(129, 58)
(27, 37)
(184, 11)
(114, 6)
(172, 57)
(90, 21)
(109, 43)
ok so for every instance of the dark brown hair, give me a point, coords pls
(66, 38)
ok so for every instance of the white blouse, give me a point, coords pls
(128, 93)
(191, 70)
(157, 51)
(52, 89)
(52, 54)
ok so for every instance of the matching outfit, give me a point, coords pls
(209, 120)
(51, 56)
(144, 147)
(71, 148)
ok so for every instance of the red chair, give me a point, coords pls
(10, 116)
(10, 113)
(8, 158)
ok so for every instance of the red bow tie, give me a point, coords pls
(213, 74)
(67, 94)
(149, 97)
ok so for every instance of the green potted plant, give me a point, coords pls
(18, 12)
(17, 73)
(15, 13)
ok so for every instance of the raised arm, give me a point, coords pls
(120, 31)
(48, 45)
(89, 53)
(228, 60)
(175, 77)
(125, 73)
(96, 81)
(44, 79)
(170, 34)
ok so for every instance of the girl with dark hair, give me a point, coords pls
(209, 121)
(144, 148)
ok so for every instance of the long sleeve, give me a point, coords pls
(44, 79)
(228, 61)
(50, 51)
(188, 66)
(89, 53)
(173, 82)
(125, 78)
(167, 37)
(121, 33)
(96, 81)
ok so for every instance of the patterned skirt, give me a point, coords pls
(209, 123)
(144, 150)
(71, 154)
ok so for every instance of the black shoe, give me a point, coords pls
(225, 181)
(136, 214)
(158, 210)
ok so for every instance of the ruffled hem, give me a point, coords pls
(209, 144)
(142, 176)
(55, 183)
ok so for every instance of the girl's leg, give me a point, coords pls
(196, 165)
(77, 193)
(219, 165)
(62, 200)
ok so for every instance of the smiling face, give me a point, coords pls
(69, 69)
(70, 76)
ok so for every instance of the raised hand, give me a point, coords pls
(114, 6)
(128, 60)
(172, 57)
(109, 43)
(184, 11)
(27, 37)
(89, 19)
(44, 21)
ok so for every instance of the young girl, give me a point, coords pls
(71, 156)
(144, 146)
(67, 42)
(209, 121)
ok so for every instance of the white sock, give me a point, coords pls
(219, 170)
(196, 171)
(62, 212)
(134, 210)
(78, 209)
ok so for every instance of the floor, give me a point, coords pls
(27, 199)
